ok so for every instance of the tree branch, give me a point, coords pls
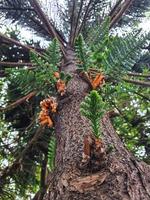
(17, 43)
(72, 22)
(17, 9)
(43, 18)
(43, 185)
(141, 95)
(77, 22)
(115, 8)
(51, 29)
(41, 25)
(84, 18)
(140, 83)
(138, 74)
(119, 14)
(19, 101)
(15, 64)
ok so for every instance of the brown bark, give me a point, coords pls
(119, 177)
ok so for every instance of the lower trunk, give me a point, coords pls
(122, 177)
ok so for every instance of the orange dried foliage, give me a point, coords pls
(61, 87)
(98, 81)
(60, 84)
(56, 74)
(45, 120)
(47, 105)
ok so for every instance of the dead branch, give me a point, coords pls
(19, 101)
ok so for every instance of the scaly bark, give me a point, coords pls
(121, 177)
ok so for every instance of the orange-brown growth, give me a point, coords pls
(47, 105)
(60, 84)
(94, 77)
(61, 87)
(56, 74)
(97, 81)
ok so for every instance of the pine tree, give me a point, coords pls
(57, 137)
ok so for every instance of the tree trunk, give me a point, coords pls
(121, 177)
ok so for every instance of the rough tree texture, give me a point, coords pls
(122, 177)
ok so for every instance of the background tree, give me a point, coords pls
(107, 169)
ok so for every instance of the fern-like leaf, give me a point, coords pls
(41, 79)
(93, 108)
(53, 54)
(82, 53)
(123, 53)
(52, 153)
(99, 34)
(112, 54)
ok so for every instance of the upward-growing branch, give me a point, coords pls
(72, 22)
(77, 21)
(115, 8)
(48, 25)
(84, 18)
(120, 12)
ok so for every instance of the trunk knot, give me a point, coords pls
(94, 154)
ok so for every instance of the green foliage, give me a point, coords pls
(41, 79)
(93, 108)
(132, 104)
(99, 34)
(122, 53)
(52, 153)
(52, 54)
(82, 53)
(114, 55)
(21, 182)
(19, 125)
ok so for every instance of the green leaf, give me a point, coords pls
(52, 153)
(93, 108)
